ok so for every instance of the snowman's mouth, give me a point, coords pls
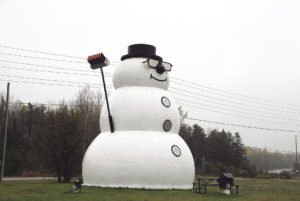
(152, 77)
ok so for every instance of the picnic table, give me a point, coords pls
(201, 183)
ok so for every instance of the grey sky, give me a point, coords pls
(245, 47)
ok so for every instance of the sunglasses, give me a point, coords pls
(152, 63)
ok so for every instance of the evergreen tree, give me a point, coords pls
(198, 144)
(239, 152)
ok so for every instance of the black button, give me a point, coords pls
(165, 101)
(167, 125)
(176, 150)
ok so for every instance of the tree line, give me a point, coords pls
(217, 151)
(52, 139)
(264, 160)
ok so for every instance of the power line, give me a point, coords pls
(85, 83)
(40, 52)
(192, 84)
(244, 126)
(78, 83)
(42, 58)
(108, 76)
(50, 80)
(47, 83)
(228, 101)
(116, 62)
(232, 110)
(72, 85)
(235, 115)
(53, 67)
(237, 125)
(233, 106)
(47, 71)
(43, 83)
(179, 99)
(56, 72)
(33, 78)
(231, 97)
(49, 53)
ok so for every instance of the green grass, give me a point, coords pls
(250, 190)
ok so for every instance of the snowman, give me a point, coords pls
(145, 150)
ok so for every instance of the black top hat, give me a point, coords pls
(141, 50)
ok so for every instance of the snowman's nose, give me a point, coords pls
(160, 69)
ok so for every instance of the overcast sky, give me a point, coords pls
(245, 47)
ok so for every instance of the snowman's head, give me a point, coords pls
(141, 67)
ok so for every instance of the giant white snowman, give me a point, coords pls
(145, 151)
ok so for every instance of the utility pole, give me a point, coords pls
(297, 166)
(296, 149)
(266, 160)
(5, 133)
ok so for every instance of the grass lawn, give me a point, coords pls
(250, 190)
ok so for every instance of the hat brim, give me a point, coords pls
(128, 56)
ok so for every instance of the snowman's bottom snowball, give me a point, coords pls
(138, 159)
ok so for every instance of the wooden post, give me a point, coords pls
(266, 161)
(297, 166)
(296, 149)
(5, 134)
